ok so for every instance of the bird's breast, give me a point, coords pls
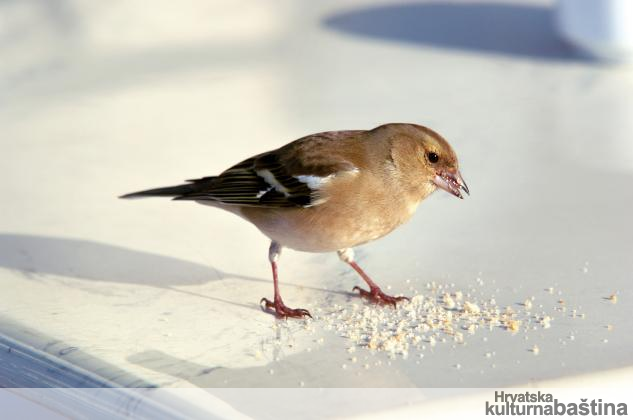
(330, 226)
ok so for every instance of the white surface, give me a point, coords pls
(100, 100)
(603, 28)
(36, 384)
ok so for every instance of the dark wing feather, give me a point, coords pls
(271, 179)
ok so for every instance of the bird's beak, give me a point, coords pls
(452, 182)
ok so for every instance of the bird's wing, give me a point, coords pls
(288, 177)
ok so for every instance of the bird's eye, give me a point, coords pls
(433, 157)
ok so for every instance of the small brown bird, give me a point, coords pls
(330, 192)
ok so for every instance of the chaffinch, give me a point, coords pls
(330, 191)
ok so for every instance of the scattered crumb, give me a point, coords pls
(609, 327)
(613, 298)
(271, 371)
(545, 322)
(513, 325)
(448, 301)
(536, 350)
(302, 384)
(605, 340)
(471, 307)
(436, 317)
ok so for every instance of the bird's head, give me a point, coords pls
(440, 161)
(422, 148)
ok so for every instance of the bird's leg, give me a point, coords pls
(277, 305)
(375, 294)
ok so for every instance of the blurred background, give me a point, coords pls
(98, 99)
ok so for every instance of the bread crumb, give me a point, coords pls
(536, 350)
(545, 322)
(471, 307)
(438, 316)
(613, 298)
(513, 325)
(448, 301)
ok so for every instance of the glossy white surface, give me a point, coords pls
(603, 28)
(100, 100)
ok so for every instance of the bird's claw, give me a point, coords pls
(378, 296)
(282, 311)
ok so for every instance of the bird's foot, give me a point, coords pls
(282, 311)
(378, 296)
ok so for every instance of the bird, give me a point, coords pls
(330, 192)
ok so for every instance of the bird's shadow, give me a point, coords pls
(90, 260)
(508, 29)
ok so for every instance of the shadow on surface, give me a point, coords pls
(517, 30)
(90, 260)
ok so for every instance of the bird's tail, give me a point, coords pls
(174, 191)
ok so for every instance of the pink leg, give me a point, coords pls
(277, 305)
(375, 294)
